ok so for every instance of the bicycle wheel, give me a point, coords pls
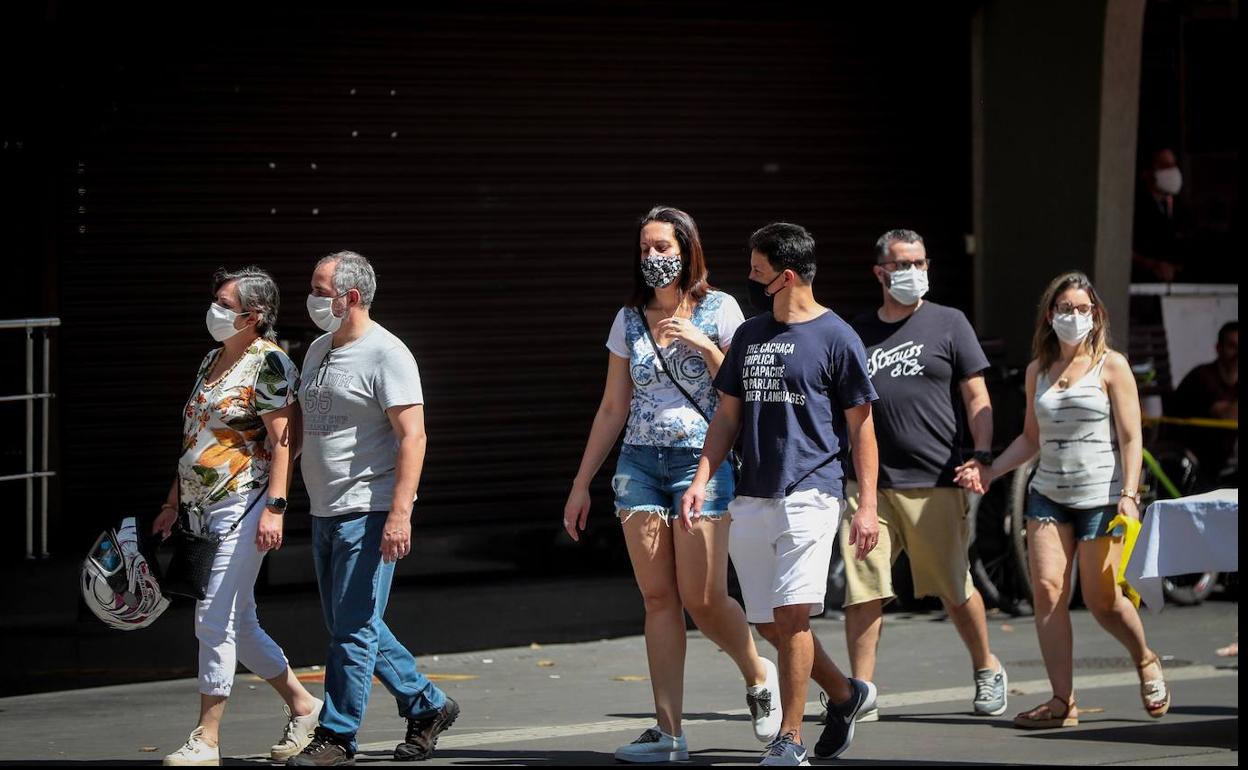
(1020, 479)
(995, 569)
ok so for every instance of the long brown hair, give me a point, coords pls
(693, 275)
(1045, 346)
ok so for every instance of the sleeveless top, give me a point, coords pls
(1080, 466)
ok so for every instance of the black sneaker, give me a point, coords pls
(422, 734)
(838, 732)
(325, 750)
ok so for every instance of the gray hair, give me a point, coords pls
(257, 293)
(894, 236)
(353, 271)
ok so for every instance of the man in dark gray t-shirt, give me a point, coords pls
(924, 362)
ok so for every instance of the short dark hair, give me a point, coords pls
(1227, 328)
(694, 278)
(787, 247)
(887, 240)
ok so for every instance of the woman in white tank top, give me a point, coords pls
(1083, 420)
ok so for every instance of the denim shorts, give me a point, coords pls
(1088, 523)
(652, 479)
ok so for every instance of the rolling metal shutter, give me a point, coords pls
(491, 161)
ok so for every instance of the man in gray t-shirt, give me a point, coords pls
(349, 446)
(363, 450)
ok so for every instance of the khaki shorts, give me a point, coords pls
(930, 525)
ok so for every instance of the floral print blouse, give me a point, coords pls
(224, 440)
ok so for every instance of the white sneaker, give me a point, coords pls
(654, 745)
(298, 733)
(785, 751)
(764, 703)
(194, 752)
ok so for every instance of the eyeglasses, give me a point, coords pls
(1066, 308)
(898, 265)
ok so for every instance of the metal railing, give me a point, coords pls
(30, 397)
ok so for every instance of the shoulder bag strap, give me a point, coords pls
(661, 365)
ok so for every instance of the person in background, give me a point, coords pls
(1212, 390)
(1162, 222)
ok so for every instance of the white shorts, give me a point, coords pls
(781, 549)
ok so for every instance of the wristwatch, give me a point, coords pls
(277, 504)
(1133, 495)
(982, 456)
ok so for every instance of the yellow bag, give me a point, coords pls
(1131, 531)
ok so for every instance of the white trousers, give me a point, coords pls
(225, 619)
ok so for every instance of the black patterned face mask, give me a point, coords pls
(660, 270)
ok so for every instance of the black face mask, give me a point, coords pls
(759, 298)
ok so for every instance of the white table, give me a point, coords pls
(1199, 533)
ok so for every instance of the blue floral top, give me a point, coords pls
(659, 415)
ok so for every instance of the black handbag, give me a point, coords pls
(734, 458)
(193, 554)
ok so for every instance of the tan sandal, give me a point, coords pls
(1153, 692)
(1043, 716)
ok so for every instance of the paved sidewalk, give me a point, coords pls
(574, 703)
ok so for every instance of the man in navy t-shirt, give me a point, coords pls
(924, 361)
(794, 384)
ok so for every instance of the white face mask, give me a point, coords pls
(321, 310)
(1071, 328)
(908, 286)
(1168, 180)
(220, 321)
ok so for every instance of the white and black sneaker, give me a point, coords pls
(764, 703)
(869, 715)
(838, 733)
(785, 750)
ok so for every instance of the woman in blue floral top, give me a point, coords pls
(692, 325)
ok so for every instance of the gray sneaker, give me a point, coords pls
(990, 691)
(654, 745)
(785, 750)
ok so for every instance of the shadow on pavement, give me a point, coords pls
(1216, 734)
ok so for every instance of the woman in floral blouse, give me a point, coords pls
(238, 426)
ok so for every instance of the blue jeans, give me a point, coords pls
(355, 586)
(1087, 523)
(652, 479)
